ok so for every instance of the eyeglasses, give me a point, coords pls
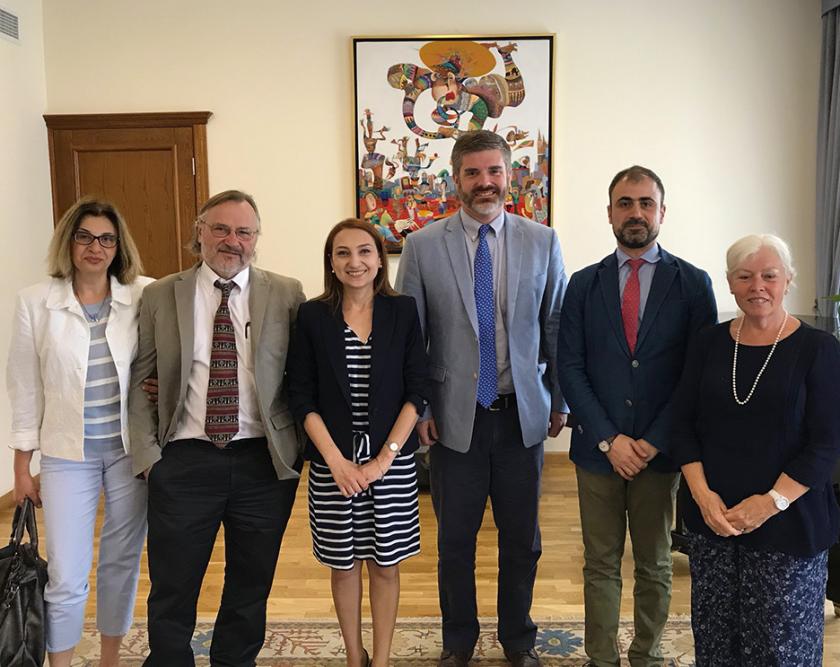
(83, 237)
(221, 231)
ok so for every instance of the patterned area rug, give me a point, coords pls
(416, 642)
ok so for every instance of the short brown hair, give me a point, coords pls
(126, 265)
(475, 142)
(228, 195)
(635, 174)
(333, 289)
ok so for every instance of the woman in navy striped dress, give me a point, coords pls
(357, 382)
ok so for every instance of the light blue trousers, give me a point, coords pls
(70, 492)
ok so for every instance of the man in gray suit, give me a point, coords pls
(220, 446)
(488, 287)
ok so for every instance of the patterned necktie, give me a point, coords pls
(486, 310)
(630, 304)
(222, 420)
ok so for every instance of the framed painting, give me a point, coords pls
(414, 96)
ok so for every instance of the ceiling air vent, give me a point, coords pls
(9, 24)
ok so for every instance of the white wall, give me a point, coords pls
(719, 97)
(26, 215)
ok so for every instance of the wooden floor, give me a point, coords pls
(301, 585)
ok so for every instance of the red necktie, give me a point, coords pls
(630, 304)
(222, 420)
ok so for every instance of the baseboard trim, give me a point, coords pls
(7, 500)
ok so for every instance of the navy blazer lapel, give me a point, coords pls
(663, 276)
(513, 250)
(383, 331)
(333, 332)
(608, 282)
(455, 240)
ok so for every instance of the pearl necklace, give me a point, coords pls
(766, 361)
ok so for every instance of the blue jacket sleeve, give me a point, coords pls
(571, 353)
(702, 314)
(415, 369)
(302, 367)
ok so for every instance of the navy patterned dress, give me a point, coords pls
(757, 598)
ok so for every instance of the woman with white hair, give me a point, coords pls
(757, 433)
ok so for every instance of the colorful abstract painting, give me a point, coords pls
(416, 95)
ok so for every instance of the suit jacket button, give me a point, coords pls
(628, 402)
(580, 428)
(635, 363)
(475, 376)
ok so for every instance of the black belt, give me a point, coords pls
(503, 402)
(241, 443)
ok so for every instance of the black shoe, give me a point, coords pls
(365, 658)
(527, 658)
(455, 658)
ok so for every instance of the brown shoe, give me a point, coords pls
(455, 658)
(837, 608)
(527, 658)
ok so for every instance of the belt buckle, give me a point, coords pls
(495, 409)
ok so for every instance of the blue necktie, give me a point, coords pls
(486, 310)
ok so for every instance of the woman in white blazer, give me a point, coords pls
(73, 340)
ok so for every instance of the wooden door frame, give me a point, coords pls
(197, 120)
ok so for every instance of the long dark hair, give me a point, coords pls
(333, 289)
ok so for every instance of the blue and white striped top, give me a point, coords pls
(102, 392)
(357, 355)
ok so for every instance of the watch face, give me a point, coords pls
(779, 500)
(393, 446)
(604, 446)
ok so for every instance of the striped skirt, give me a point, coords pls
(381, 524)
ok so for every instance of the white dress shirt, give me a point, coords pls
(646, 270)
(207, 300)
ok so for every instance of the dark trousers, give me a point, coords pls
(832, 589)
(498, 466)
(194, 489)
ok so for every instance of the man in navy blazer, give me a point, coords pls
(488, 287)
(624, 329)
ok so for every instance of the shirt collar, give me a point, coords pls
(61, 294)
(208, 277)
(651, 256)
(471, 225)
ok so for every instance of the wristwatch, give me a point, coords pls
(779, 500)
(394, 447)
(606, 445)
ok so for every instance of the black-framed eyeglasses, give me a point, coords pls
(221, 231)
(83, 237)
